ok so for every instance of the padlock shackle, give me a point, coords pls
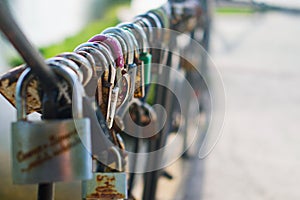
(139, 33)
(113, 44)
(125, 37)
(135, 43)
(91, 60)
(101, 49)
(123, 45)
(71, 64)
(161, 14)
(77, 89)
(156, 23)
(119, 157)
(102, 65)
(23, 81)
(111, 62)
(67, 73)
(82, 62)
(156, 19)
(146, 24)
(113, 71)
(101, 62)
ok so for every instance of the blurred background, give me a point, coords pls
(256, 48)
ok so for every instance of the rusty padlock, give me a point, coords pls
(107, 185)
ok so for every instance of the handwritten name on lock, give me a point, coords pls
(56, 145)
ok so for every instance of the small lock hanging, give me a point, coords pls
(127, 52)
(144, 59)
(107, 185)
(106, 71)
(122, 81)
(50, 150)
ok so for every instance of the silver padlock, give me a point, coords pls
(50, 150)
(107, 185)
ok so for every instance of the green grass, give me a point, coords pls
(235, 10)
(68, 44)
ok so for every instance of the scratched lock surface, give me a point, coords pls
(105, 186)
(50, 151)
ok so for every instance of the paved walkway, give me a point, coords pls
(258, 154)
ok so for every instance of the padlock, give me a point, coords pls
(100, 76)
(128, 79)
(139, 80)
(50, 150)
(158, 55)
(127, 45)
(105, 71)
(107, 185)
(122, 80)
(145, 57)
(128, 82)
(121, 76)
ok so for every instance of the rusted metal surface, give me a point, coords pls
(106, 186)
(8, 83)
(139, 91)
(34, 93)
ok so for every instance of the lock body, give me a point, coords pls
(105, 186)
(51, 151)
(147, 59)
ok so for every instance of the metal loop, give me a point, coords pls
(113, 44)
(147, 27)
(119, 157)
(126, 38)
(139, 34)
(135, 44)
(82, 62)
(163, 18)
(155, 22)
(101, 61)
(60, 69)
(102, 49)
(90, 58)
(71, 64)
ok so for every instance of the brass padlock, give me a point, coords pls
(50, 150)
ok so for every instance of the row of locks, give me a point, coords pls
(98, 83)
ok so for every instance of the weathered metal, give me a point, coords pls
(8, 82)
(106, 186)
(50, 150)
